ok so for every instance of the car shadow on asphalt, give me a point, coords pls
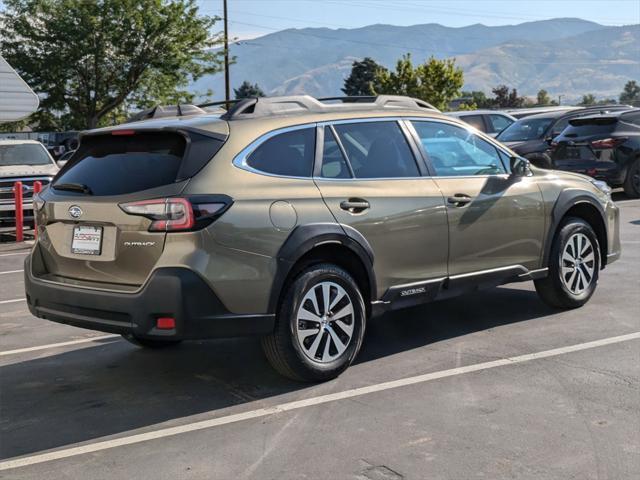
(113, 388)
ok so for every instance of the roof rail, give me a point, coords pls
(267, 106)
(160, 111)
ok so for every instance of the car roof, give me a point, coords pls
(595, 109)
(464, 113)
(610, 114)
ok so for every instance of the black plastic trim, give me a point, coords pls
(304, 238)
(566, 200)
(176, 292)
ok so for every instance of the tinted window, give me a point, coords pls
(559, 126)
(525, 129)
(631, 117)
(377, 150)
(23, 154)
(455, 151)
(475, 121)
(333, 162)
(499, 122)
(588, 129)
(289, 153)
(115, 165)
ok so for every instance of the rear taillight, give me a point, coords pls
(608, 142)
(168, 214)
(178, 214)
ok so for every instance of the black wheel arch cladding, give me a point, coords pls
(584, 202)
(307, 238)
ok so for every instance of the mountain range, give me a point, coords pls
(565, 56)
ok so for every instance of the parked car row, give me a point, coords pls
(611, 153)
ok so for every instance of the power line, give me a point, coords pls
(417, 7)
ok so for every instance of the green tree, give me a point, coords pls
(87, 57)
(477, 98)
(505, 98)
(588, 99)
(543, 98)
(467, 106)
(248, 90)
(434, 81)
(363, 79)
(631, 93)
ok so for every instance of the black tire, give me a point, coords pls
(284, 350)
(149, 343)
(557, 292)
(632, 182)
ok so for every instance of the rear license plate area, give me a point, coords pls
(86, 240)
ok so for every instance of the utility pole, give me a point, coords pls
(559, 97)
(226, 56)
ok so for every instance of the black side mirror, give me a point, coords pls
(520, 167)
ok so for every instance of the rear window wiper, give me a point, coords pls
(73, 187)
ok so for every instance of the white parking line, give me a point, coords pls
(12, 254)
(11, 271)
(295, 405)
(56, 345)
(15, 300)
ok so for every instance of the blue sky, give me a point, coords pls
(251, 18)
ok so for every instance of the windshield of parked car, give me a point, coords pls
(23, 154)
(525, 129)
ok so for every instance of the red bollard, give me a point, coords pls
(37, 188)
(17, 192)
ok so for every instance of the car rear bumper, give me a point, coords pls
(170, 292)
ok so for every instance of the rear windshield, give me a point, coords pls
(116, 165)
(586, 127)
(23, 154)
(525, 129)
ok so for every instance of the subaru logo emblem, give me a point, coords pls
(75, 211)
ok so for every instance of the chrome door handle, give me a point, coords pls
(354, 205)
(459, 200)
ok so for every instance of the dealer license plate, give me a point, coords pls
(87, 240)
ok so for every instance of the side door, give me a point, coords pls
(496, 220)
(370, 178)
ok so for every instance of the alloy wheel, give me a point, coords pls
(578, 263)
(324, 322)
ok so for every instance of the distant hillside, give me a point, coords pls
(565, 56)
(599, 62)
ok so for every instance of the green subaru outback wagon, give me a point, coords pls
(298, 219)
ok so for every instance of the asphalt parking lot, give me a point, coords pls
(491, 385)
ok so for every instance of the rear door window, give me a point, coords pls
(377, 150)
(475, 121)
(288, 154)
(120, 164)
